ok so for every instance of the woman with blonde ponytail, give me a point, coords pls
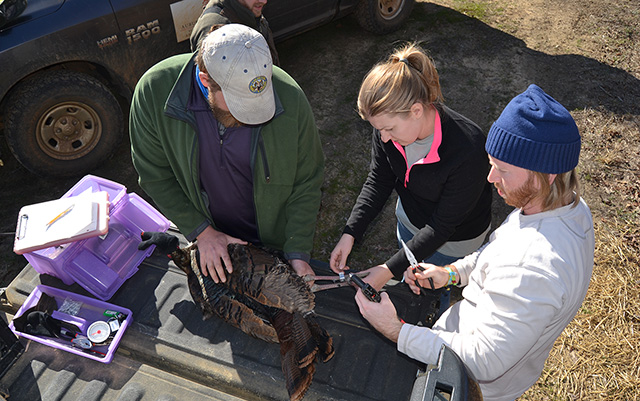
(432, 156)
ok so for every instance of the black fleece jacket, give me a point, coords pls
(228, 12)
(450, 199)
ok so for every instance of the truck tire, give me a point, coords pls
(383, 16)
(62, 123)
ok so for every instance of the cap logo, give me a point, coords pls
(258, 84)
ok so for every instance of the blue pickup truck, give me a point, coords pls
(69, 66)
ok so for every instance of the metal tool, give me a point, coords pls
(344, 279)
(76, 339)
(415, 265)
(82, 342)
(341, 280)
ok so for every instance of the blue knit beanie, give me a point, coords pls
(535, 132)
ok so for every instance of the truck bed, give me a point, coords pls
(170, 353)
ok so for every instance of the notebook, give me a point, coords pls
(57, 222)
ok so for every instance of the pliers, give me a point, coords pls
(415, 265)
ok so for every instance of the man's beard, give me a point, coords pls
(224, 117)
(522, 196)
(258, 12)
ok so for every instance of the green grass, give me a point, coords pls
(474, 9)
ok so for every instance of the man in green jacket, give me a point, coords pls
(227, 147)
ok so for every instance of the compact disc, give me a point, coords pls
(99, 332)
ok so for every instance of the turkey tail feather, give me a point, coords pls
(297, 379)
(321, 337)
(297, 352)
(306, 345)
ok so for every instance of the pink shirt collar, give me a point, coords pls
(432, 156)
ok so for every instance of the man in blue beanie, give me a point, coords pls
(526, 284)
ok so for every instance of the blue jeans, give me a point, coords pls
(436, 258)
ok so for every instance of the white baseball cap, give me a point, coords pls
(238, 59)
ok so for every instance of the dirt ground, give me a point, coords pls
(585, 53)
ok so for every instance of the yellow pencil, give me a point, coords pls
(61, 215)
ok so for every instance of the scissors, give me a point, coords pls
(414, 264)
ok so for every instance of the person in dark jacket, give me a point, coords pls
(245, 12)
(432, 156)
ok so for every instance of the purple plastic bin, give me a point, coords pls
(90, 311)
(102, 264)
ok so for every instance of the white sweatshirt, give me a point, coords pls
(522, 289)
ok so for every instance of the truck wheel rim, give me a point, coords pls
(69, 131)
(389, 9)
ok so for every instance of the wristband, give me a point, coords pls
(453, 277)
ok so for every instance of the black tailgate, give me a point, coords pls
(169, 338)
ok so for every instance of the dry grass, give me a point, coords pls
(597, 356)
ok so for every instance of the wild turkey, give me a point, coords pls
(264, 298)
